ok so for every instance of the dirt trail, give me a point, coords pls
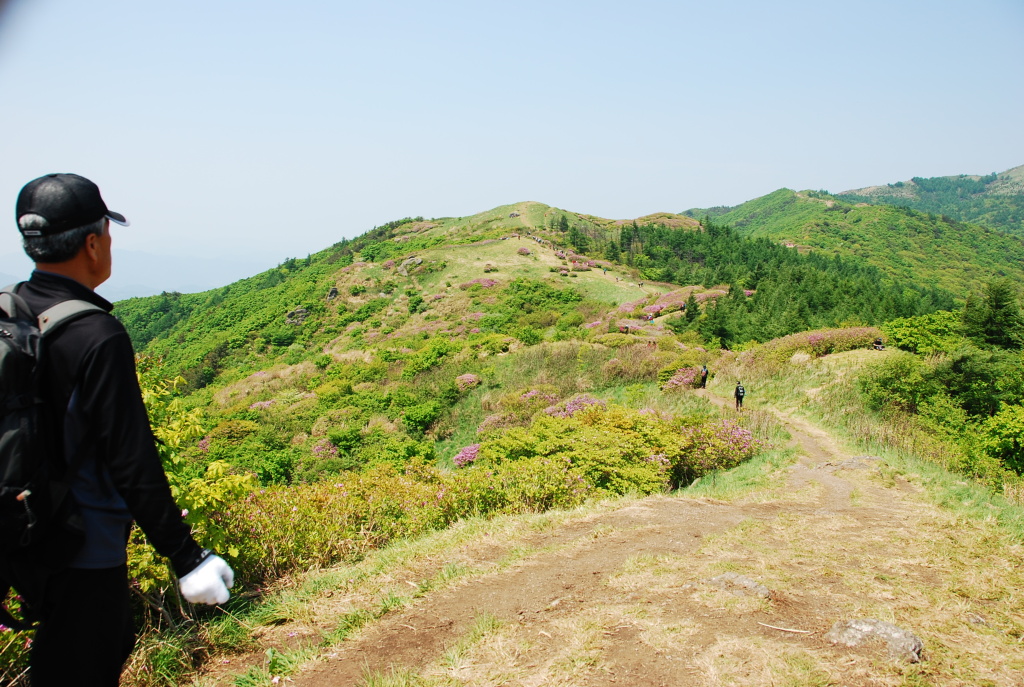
(622, 597)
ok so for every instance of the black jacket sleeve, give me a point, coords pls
(110, 394)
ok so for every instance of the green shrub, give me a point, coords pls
(418, 418)
(1002, 437)
(900, 381)
(932, 333)
(234, 430)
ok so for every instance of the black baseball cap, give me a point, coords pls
(65, 201)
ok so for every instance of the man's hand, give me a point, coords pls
(209, 582)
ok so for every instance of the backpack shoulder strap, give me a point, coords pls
(13, 304)
(54, 316)
(51, 318)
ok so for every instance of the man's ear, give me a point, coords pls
(92, 247)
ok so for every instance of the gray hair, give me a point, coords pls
(59, 247)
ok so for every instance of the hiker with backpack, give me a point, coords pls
(89, 463)
(739, 393)
(704, 376)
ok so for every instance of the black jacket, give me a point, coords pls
(90, 370)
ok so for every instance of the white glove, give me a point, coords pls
(209, 582)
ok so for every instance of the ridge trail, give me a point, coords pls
(622, 597)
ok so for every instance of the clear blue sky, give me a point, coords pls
(271, 129)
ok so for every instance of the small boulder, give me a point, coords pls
(903, 645)
(403, 269)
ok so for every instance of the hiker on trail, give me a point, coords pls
(739, 393)
(86, 629)
(704, 377)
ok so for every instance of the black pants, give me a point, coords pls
(86, 630)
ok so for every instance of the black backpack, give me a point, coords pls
(40, 529)
(740, 391)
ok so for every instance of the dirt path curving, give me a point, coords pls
(665, 591)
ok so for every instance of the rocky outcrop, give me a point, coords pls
(297, 316)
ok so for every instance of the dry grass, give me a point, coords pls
(264, 382)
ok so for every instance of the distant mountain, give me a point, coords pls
(908, 244)
(994, 200)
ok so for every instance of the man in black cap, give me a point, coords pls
(86, 630)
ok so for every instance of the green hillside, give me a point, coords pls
(906, 244)
(413, 279)
(993, 200)
(530, 358)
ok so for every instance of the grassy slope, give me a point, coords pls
(908, 245)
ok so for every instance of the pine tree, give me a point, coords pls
(995, 319)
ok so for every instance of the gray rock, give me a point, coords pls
(403, 269)
(903, 645)
(740, 585)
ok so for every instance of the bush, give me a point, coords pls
(418, 418)
(618, 450)
(685, 378)
(817, 343)
(899, 382)
(932, 333)
(1002, 437)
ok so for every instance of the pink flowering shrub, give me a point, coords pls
(466, 382)
(261, 405)
(482, 282)
(523, 251)
(632, 305)
(717, 445)
(573, 406)
(817, 343)
(654, 309)
(325, 449)
(685, 378)
(388, 264)
(466, 456)
(701, 297)
(748, 292)
(673, 300)
(539, 395)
